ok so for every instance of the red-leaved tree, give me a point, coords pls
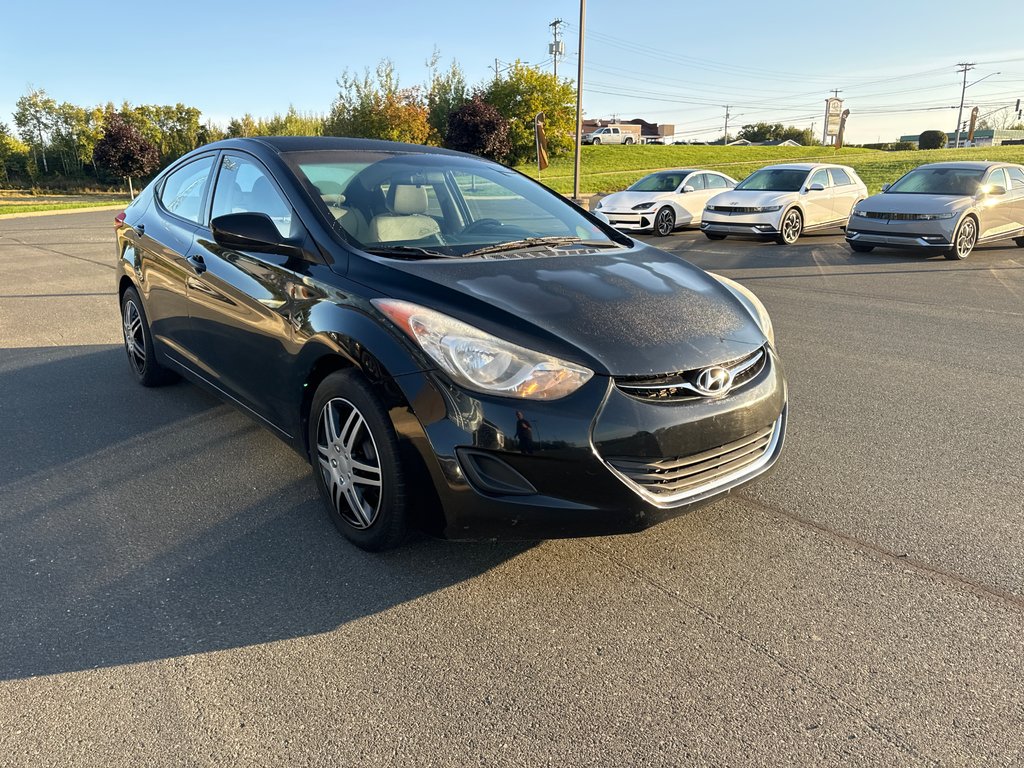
(478, 128)
(125, 152)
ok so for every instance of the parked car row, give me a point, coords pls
(949, 207)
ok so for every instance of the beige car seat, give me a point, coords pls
(406, 219)
(350, 219)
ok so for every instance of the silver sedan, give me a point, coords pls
(949, 207)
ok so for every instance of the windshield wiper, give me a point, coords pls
(409, 250)
(532, 242)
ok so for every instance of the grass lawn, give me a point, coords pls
(612, 168)
(14, 201)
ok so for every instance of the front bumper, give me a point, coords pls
(566, 480)
(741, 224)
(936, 234)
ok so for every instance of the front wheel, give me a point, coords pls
(792, 227)
(964, 241)
(595, 142)
(357, 463)
(664, 222)
(138, 342)
(859, 248)
(1019, 241)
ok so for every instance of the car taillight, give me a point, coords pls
(119, 220)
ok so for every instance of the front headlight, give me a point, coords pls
(766, 209)
(482, 362)
(931, 216)
(642, 206)
(752, 303)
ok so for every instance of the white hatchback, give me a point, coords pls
(664, 200)
(784, 201)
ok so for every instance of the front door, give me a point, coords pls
(818, 205)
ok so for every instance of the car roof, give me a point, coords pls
(282, 144)
(967, 165)
(806, 166)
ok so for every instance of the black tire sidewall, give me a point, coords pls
(391, 526)
(657, 220)
(781, 239)
(153, 374)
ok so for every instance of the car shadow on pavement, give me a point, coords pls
(138, 525)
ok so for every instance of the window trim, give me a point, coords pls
(266, 172)
(159, 195)
(1006, 178)
(849, 182)
(815, 172)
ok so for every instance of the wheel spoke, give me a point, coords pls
(351, 430)
(330, 431)
(355, 503)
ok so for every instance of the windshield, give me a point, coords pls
(659, 182)
(774, 180)
(428, 205)
(962, 182)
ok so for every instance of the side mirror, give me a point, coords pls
(885, 187)
(995, 189)
(816, 187)
(688, 188)
(253, 232)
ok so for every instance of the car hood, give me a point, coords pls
(895, 202)
(624, 311)
(624, 201)
(742, 198)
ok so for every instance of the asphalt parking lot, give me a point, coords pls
(173, 594)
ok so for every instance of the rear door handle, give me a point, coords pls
(197, 263)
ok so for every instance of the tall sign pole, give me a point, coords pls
(965, 67)
(579, 106)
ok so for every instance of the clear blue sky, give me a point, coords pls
(668, 62)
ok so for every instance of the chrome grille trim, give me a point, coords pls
(672, 481)
(680, 386)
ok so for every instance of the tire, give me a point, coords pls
(627, 141)
(356, 463)
(791, 228)
(964, 240)
(664, 221)
(595, 142)
(1019, 241)
(138, 343)
(714, 236)
(860, 248)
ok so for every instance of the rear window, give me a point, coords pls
(840, 178)
(184, 190)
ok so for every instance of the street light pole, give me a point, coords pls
(965, 68)
(579, 107)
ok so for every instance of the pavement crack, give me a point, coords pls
(763, 650)
(1004, 598)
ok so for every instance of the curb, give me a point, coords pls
(5, 216)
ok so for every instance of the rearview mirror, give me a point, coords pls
(253, 232)
(688, 188)
(816, 187)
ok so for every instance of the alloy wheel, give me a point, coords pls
(349, 463)
(134, 337)
(665, 222)
(792, 225)
(966, 237)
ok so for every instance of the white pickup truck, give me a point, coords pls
(613, 134)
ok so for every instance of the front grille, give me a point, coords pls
(674, 479)
(734, 209)
(680, 385)
(892, 216)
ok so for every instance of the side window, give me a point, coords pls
(1016, 177)
(840, 178)
(244, 187)
(716, 182)
(184, 190)
(998, 179)
(696, 181)
(819, 177)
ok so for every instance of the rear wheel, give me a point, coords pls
(664, 222)
(714, 236)
(964, 240)
(860, 248)
(628, 140)
(138, 342)
(1019, 241)
(356, 460)
(791, 228)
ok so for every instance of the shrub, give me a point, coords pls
(479, 128)
(932, 140)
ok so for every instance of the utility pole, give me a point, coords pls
(579, 106)
(556, 48)
(965, 67)
(725, 139)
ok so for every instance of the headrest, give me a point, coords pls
(409, 199)
(327, 187)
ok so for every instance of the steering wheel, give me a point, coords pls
(479, 224)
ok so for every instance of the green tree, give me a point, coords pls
(761, 132)
(34, 115)
(446, 92)
(14, 156)
(520, 94)
(376, 107)
(932, 140)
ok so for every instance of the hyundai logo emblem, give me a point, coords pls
(714, 381)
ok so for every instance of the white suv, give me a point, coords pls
(784, 201)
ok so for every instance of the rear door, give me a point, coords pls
(1016, 192)
(242, 304)
(845, 193)
(165, 236)
(818, 205)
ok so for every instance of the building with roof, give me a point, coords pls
(983, 137)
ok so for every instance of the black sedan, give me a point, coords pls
(453, 346)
